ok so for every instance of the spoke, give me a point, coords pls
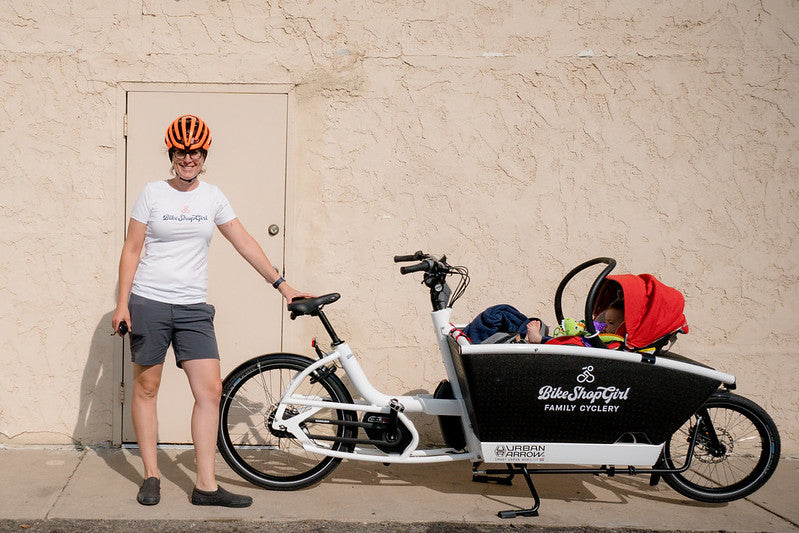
(743, 444)
(244, 406)
(262, 452)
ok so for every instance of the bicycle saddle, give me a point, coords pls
(311, 306)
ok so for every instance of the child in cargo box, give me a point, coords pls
(613, 319)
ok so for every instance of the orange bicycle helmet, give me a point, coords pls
(188, 133)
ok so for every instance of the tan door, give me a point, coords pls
(247, 160)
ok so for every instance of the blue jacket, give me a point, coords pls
(504, 318)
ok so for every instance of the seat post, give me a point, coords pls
(329, 328)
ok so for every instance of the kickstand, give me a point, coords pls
(533, 511)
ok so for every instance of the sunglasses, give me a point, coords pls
(193, 154)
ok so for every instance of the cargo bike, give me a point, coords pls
(585, 403)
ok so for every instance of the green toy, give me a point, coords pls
(570, 327)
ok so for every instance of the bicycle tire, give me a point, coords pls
(267, 458)
(751, 451)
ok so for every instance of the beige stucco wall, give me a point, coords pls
(518, 137)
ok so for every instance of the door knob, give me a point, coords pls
(274, 229)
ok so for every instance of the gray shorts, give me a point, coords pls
(189, 328)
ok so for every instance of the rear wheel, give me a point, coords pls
(272, 458)
(741, 458)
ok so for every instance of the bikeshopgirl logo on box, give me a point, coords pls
(598, 399)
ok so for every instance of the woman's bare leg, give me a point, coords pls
(144, 411)
(206, 386)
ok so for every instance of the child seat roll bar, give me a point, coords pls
(592, 337)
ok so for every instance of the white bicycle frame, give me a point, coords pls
(376, 401)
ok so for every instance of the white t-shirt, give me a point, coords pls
(180, 225)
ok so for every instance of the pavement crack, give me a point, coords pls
(66, 483)
(772, 512)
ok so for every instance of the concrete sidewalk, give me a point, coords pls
(58, 485)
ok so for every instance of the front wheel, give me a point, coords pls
(736, 452)
(272, 458)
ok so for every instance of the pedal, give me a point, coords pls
(396, 409)
(395, 406)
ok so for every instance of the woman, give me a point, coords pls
(162, 297)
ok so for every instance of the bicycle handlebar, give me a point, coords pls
(436, 270)
(418, 256)
(424, 266)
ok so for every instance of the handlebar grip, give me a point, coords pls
(406, 258)
(123, 328)
(421, 267)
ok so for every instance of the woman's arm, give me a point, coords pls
(250, 250)
(128, 262)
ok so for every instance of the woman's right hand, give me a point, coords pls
(121, 314)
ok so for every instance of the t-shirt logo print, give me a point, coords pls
(186, 216)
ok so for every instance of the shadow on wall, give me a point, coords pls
(97, 390)
(98, 393)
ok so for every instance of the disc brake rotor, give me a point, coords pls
(705, 454)
(270, 418)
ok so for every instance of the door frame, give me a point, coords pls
(121, 349)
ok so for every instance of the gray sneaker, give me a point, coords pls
(150, 491)
(219, 497)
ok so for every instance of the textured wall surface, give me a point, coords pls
(518, 137)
